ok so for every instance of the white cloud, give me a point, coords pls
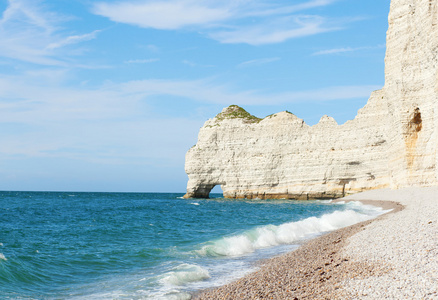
(73, 40)
(115, 123)
(32, 99)
(109, 124)
(162, 14)
(254, 22)
(24, 13)
(193, 64)
(335, 51)
(344, 50)
(207, 91)
(257, 62)
(276, 31)
(265, 9)
(31, 34)
(332, 93)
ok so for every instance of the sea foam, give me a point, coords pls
(288, 233)
(183, 274)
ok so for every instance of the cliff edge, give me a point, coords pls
(392, 142)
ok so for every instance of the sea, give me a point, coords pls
(71, 245)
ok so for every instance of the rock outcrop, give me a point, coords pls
(392, 142)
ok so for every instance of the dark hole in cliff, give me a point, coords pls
(416, 123)
(208, 191)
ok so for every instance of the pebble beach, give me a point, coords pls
(392, 257)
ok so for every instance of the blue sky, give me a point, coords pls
(109, 95)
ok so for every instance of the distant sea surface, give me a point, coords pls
(68, 245)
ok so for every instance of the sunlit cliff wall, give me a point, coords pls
(392, 142)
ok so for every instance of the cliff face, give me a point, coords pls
(411, 90)
(392, 142)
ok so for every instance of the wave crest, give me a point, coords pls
(287, 233)
(183, 274)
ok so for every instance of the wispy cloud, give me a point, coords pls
(261, 8)
(46, 119)
(74, 39)
(152, 48)
(274, 31)
(207, 90)
(163, 14)
(26, 13)
(33, 98)
(345, 50)
(335, 51)
(194, 64)
(142, 61)
(253, 22)
(331, 93)
(189, 63)
(257, 62)
(31, 34)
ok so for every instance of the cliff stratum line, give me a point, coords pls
(392, 142)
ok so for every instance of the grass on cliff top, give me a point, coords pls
(236, 112)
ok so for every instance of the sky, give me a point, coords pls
(109, 95)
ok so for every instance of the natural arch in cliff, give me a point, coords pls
(202, 190)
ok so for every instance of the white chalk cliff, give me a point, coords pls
(392, 142)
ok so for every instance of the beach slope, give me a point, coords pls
(404, 243)
(392, 257)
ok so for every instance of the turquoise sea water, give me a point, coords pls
(65, 245)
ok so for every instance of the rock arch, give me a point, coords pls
(202, 190)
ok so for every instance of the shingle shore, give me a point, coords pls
(407, 243)
(392, 257)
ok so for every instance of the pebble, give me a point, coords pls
(392, 257)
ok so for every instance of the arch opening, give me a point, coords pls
(205, 190)
(216, 192)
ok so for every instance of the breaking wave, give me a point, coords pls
(183, 274)
(288, 233)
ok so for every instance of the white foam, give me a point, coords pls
(289, 233)
(326, 201)
(175, 280)
(2, 256)
(184, 274)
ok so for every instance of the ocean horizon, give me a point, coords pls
(99, 245)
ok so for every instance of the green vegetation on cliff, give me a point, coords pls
(237, 112)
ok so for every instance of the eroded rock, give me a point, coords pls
(392, 142)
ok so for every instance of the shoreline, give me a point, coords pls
(385, 205)
(324, 267)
